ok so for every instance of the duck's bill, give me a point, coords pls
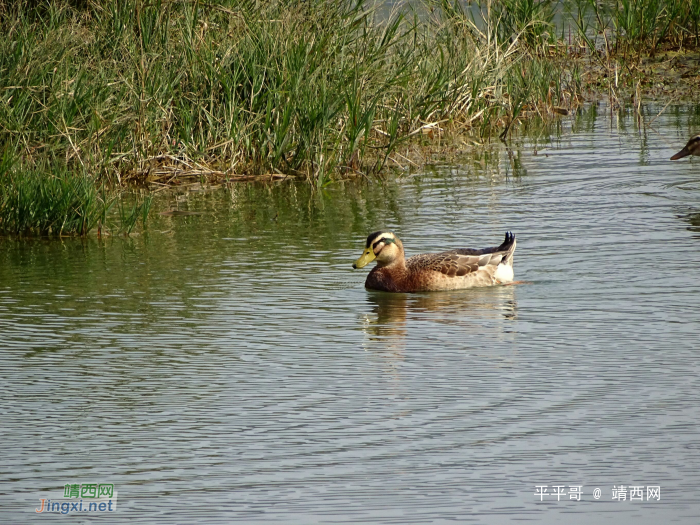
(366, 258)
(682, 153)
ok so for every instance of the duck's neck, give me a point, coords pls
(398, 264)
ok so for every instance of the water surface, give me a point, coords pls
(230, 366)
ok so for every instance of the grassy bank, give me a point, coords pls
(131, 89)
(156, 91)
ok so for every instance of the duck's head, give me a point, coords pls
(692, 148)
(384, 247)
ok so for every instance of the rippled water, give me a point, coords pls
(231, 366)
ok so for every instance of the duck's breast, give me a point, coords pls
(380, 279)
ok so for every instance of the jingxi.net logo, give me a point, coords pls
(85, 497)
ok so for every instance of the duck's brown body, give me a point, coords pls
(451, 270)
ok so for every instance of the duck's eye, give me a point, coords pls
(381, 244)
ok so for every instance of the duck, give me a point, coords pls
(692, 148)
(428, 272)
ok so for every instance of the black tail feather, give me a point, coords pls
(507, 243)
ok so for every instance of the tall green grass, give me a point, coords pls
(38, 202)
(632, 28)
(132, 89)
(531, 21)
(44, 201)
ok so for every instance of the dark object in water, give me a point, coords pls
(178, 213)
(692, 148)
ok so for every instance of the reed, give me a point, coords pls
(131, 209)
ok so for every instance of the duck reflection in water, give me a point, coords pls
(693, 219)
(394, 315)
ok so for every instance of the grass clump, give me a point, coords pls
(636, 27)
(50, 200)
(39, 202)
(44, 201)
